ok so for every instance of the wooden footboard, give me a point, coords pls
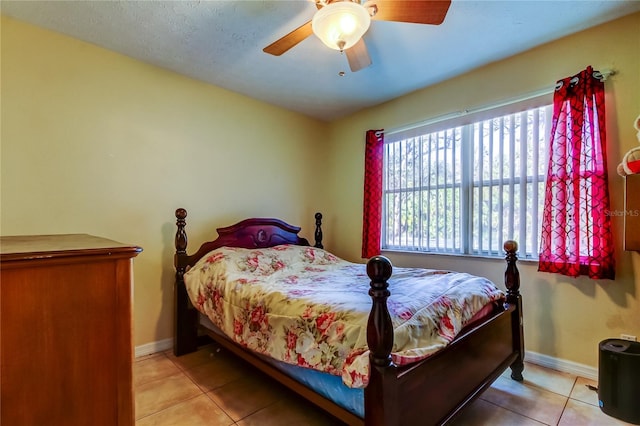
(429, 392)
(433, 391)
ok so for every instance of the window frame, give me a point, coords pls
(466, 121)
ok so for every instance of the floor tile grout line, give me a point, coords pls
(183, 370)
(175, 359)
(248, 415)
(584, 402)
(563, 410)
(170, 406)
(581, 400)
(157, 379)
(182, 373)
(575, 379)
(542, 389)
(515, 412)
(566, 402)
(150, 357)
(164, 377)
(185, 373)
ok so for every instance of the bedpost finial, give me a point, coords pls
(510, 246)
(511, 274)
(379, 268)
(318, 233)
(181, 235)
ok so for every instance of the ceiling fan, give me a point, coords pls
(340, 24)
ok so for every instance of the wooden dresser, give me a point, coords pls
(66, 330)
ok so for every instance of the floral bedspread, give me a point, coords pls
(307, 307)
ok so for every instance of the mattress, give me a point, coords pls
(306, 307)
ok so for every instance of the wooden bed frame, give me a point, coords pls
(430, 392)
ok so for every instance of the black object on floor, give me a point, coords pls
(619, 379)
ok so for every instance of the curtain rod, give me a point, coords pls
(605, 73)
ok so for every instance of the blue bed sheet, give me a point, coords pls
(327, 385)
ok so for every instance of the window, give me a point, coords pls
(465, 188)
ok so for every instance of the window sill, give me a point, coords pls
(466, 256)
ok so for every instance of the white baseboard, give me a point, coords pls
(153, 347)
(562, 365)
(558, 364)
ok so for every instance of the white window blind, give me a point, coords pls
(467, 184)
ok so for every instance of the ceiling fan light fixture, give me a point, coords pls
(341, 24)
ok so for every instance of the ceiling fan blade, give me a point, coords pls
(358, 56)
(285, 43)
(413, 11)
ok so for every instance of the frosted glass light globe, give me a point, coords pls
(341, 24)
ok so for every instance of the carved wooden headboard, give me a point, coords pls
(249, 233)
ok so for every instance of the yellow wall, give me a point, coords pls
(95, 142)
(564, 317)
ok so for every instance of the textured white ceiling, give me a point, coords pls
(220, 42)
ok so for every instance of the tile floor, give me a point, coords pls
(211, 387)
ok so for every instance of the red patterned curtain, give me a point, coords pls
(576, 230)
(372, 214)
